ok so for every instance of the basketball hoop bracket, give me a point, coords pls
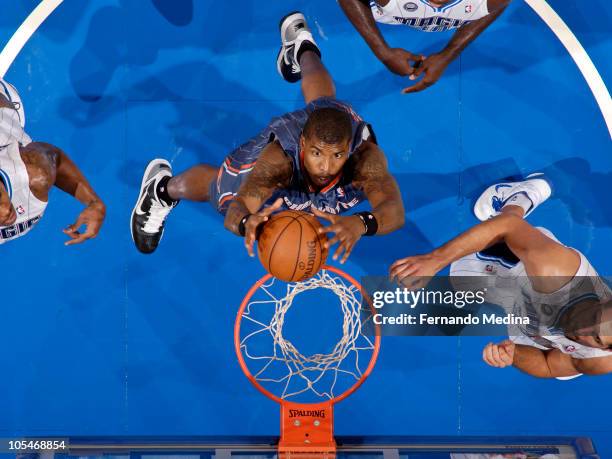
(307, 427)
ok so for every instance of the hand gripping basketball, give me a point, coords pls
(254, 221)
(348, 230)
(290, 246)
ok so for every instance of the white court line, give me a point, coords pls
(24, 32)
(580, 56)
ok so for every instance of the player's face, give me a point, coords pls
(7, 211)
(590, 338)
(323, 161)
(597, 319)
(439, 3)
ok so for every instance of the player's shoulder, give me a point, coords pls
(367, 161)
(494, 5)
(40, 160)
(34, 149)
(273, 156)
(274, 152)
(368, 153)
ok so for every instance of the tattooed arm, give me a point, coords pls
(371, 175)
(47, 165)
(272, 171)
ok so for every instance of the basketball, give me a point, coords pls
(290, 247)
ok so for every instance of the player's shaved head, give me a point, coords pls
(329, 125)
(590, 323)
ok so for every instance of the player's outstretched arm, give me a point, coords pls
(397, 60)
(540, 363)
(272, 171)
(52, 166)
(547, 262)
(433, 66)
(380, 187)
(371, 175)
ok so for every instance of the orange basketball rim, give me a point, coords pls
(306, 427)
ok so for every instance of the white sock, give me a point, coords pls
(521, 200)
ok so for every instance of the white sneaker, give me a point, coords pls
(535, 188)
(294, 34)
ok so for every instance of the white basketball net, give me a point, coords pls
(317, 373)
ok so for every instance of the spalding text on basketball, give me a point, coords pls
(312, 255)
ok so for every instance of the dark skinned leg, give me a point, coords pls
(316, 80)
(193, 184)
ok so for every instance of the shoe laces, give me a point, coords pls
(157, 216)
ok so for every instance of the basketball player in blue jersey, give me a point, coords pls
(28, 171)
(469, 17)
(531, 274)
(322, 159)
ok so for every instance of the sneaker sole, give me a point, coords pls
(287, 16)
(147, 172)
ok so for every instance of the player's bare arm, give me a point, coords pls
(541, 256)
(372, 176)
(272, 171)
(397, 60)
(541, 363)
(380, 187)
(48, 165)
(433, 66)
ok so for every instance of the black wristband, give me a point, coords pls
(369, 221)
(242, 225)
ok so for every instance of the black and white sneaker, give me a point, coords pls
(150, 213)
(295, 38)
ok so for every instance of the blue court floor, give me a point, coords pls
(100, 340)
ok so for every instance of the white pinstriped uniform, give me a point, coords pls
(422, 15)
(13, 172)
(508, 286)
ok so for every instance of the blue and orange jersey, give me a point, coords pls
(339, 196)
